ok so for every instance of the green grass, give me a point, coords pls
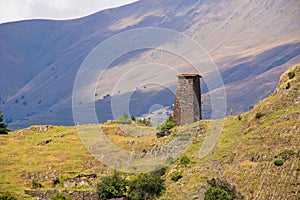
(22, 158)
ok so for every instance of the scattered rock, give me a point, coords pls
(70, 182)
(84, 183)
(55, 183)
(163, 133)
(44, 142)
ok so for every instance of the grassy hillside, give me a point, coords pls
(245, 155)
(248, 147)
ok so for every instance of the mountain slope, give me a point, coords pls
(251, 42)
(244, 157)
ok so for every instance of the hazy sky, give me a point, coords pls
(14, 10)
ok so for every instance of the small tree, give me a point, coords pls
(219, 188)
(133, 118)
(169, 124)
(3, 127)
(143, 121)
(113, 186)
(146, 186)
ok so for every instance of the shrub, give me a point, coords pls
(288, 86)
(7, 196)
(176, 176)
(184, 160)
(3, 126)
(60, 196)
(291, 75)
(35, 184)
(169, 124)
(225, 186)
(146, 186)
(113, 186)
(133, 118)
(239, 117)
(258, 115)
(278, 162)
(214, 193)
(124, 119)
(212, 182)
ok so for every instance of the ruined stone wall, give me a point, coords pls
(187, 104)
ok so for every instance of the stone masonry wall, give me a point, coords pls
(187, 104)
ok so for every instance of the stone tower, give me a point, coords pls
(187, 105)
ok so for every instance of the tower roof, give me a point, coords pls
(189, 75)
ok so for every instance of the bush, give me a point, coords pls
(3, 127)
(258, 115)
(214, 193)
(146, 186)
(60, 196)
(288, 86)
(176, 176)
(7, 196)
(124, 119)
(169, 124)
(225, 186)
(35, 184)
(113, 186)
(133, 118)
(184, 160)
(291, 75)
(278, 162)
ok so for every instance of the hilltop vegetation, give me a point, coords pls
(256, 156)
